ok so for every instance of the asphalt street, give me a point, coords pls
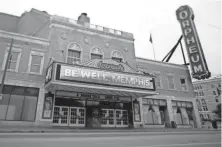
(113, 139)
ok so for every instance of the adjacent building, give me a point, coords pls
(65, 72)
(208, 96)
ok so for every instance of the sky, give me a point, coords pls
(142, 18)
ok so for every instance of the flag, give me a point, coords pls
(151, 40)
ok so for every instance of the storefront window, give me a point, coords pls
(177, 115)
(18, 103)
(29, 108)
(4, 105)
(180, 111)
(151, 111)
(15, 107)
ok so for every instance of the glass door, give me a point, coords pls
(61, 115)
(77, 116)
(121, 117)
(107, 119)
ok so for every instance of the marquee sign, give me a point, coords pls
(97, 76)
(108, 66)
(195, 53)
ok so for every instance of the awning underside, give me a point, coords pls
(103, 90)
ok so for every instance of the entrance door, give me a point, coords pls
(61, 115)
(77, 116)
(107, 119)
(121, 118)
(114, 118)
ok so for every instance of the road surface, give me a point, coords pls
(112, 139)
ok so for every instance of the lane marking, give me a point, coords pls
(189, 144)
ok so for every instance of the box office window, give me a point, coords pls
(18, 103)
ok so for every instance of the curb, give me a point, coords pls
(104, 131)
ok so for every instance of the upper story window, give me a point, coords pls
(199, 105)
(201, 93)
(204, 104)
(74, 53)
(183, 83)
(157, 79)
(117, 56)
(96, 53)
(214, 93)
(170, 79)
(14, 60)
(196, 94)
(36, 61)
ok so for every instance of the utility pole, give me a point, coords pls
(5, 69)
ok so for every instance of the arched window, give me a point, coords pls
(74, 53)
(204, 104)
(117, 56)
(96, 53)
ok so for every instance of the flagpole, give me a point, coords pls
(153, 52)
(151, 41)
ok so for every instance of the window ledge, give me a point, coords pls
(15, 71)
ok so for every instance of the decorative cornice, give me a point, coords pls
(207, 81)
(143, 60)
(89, 32)
(92, 27)
(25, 38)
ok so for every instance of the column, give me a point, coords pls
(169, 112)
(137, 124)
(197, 121)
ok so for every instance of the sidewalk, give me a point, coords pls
(9, 129)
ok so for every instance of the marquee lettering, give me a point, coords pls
(111, 78)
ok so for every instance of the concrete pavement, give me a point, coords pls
(113, 139)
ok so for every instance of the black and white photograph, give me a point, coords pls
(110, 73)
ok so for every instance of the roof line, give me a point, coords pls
(161, 62)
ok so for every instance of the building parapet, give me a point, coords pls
(149, 61)
(73, 22)
(212, 79)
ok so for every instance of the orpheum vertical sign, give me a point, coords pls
(195, 53)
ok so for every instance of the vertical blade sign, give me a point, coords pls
(194, 50)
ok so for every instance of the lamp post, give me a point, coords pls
(5, 69)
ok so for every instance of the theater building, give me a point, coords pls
(65, 72)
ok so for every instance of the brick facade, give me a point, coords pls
(37, 31)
